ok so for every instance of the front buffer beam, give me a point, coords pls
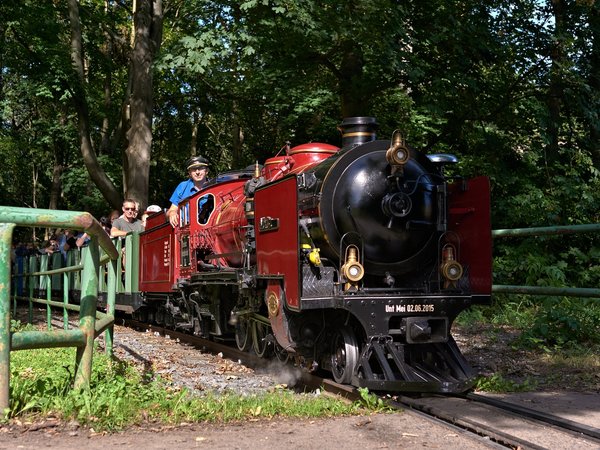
(385, 365)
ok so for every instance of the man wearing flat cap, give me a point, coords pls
(197, 167)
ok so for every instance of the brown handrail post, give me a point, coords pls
(6, 230)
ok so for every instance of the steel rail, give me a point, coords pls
(551, 419)
(497, 436)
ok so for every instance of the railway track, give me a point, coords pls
(506, 423)
(578, 429)
(493, 422)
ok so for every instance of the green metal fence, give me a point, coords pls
(91, 322)
(546, 290)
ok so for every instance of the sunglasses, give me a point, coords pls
(130, 209)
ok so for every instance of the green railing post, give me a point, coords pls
(66, 285)
(6, 230)
(87, 314)
(48, 307)
(119, 243)
(110, 303)
(132, 250)
(34, 283)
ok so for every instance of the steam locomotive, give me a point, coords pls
(354, 260)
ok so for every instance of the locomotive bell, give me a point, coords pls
(358, 130)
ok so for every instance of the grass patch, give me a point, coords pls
(497, 383)
(119, 396)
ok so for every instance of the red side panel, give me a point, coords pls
(277, 242)
(469, 217)
(156, 259)
(155, 220)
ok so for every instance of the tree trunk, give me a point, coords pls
(594, 82)
(34, 184)
(58, 150)
(55, 188)
(238, 137)
(195, 126)
(90, 160)
(555, 88)
(108, 50)
(148, 20)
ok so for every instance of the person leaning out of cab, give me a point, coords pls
(197, 167)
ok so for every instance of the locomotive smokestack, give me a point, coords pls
(358, 130)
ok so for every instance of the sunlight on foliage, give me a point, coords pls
(497, 383)
(371, 401)
(41, 384)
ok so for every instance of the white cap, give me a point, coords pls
(153, 208)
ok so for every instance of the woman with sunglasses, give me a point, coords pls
(128, 221)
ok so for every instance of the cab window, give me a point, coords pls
(206, 205)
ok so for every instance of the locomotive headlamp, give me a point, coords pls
(398, 154)
(450, 269)
(352, 270)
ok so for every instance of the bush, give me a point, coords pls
(565, 322)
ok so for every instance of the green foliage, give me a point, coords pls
(497, 383)
(16, 325)
(538, 194)
(81, 194)
(566, 261)
(470, 79)
(471, 316)
(371, 401)
(120, 396)
(565, 322)
(552, 324)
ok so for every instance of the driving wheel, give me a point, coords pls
(344, 355)
(262, 346)
(242, 334)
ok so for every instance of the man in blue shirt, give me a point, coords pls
(197, 168)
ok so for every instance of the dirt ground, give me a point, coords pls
(379, 431)
(492, 352)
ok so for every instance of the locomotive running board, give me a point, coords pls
(385, 365)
